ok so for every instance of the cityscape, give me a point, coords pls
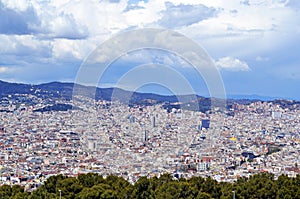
(109, 137)
(149, 99)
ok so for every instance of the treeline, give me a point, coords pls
(94, 186)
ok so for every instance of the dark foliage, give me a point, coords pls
(94, 186)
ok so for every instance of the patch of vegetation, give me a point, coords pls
(95, 186)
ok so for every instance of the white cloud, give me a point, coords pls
(39, 17)
(232, 64)
(245, 30)
(64, 49)
(64, 31)
(99, 17)
(17, 20)
(236, 25)
(184, 15)
(24, 45)
(4, 69)
(151, 12)
(20, 5)
(65, 26)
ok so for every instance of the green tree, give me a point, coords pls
(5, 191)
(20, 195)
(51, 183)
(69, 187)
(90, 179)
(141, 188)
(203, 195)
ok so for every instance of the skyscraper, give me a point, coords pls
(205, 123)
(145, 136)
(153, 121)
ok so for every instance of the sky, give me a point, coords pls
(254, 44)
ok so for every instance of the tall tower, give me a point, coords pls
(145, 136)
(153, 121)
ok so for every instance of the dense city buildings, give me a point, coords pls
(133, 141)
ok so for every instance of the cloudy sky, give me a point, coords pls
(255, 44)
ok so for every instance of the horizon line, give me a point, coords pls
(228, 96)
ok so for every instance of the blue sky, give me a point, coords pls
(253, 43)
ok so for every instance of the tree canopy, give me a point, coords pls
(94, 186)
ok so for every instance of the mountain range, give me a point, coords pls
(59, 90)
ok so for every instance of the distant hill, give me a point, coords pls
(12, 88)
(253, 97)
(65, 90)
(59, 90)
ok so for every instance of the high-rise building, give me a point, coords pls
(145, 136)
(153, 121)
(205, 123)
